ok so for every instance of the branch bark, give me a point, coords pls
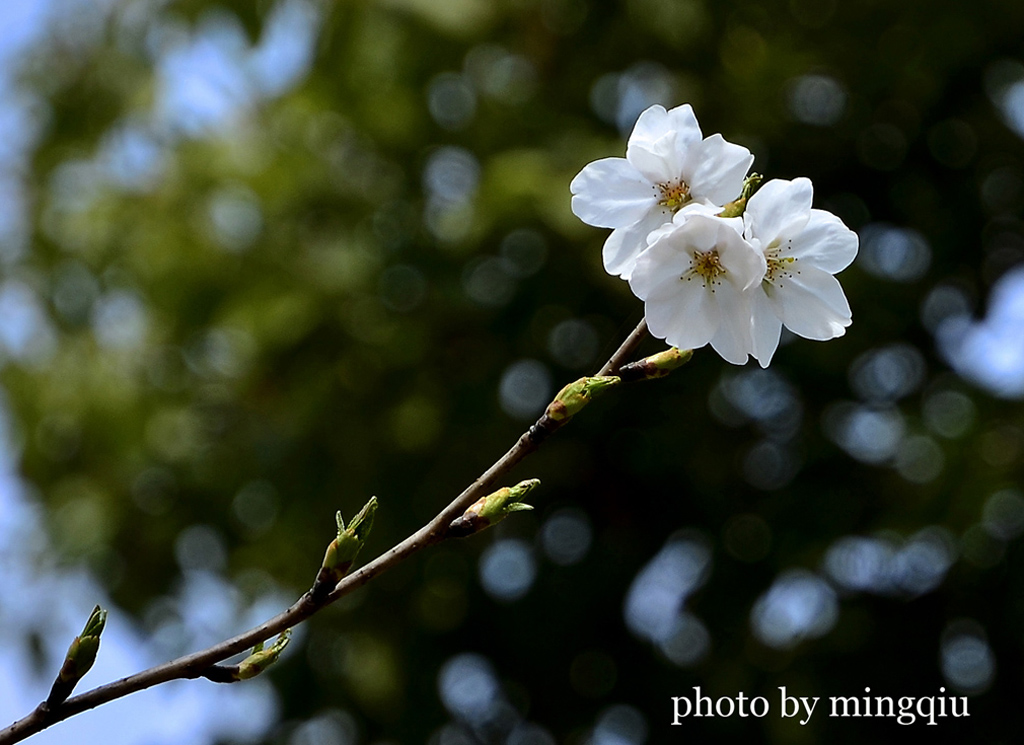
(199, 663)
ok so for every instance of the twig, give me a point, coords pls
(198, 664)
(626, 349)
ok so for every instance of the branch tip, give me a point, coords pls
(79, 659)
(656, 366)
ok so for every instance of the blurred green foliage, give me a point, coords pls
(313, 299)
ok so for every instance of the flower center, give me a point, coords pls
(673, 194)
(779, 267)
(707, 265)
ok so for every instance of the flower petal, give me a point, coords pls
(610, 193)
(766, 327)
(683, 313)
(825, 243)
(715, 169)
(660, 232)
(702, 232)
(658, 161)
(733, 339)
(745, 265)
(624, 245)
(687, 318)
(708, 210)
(658, 268)
(777, 206)
(811, 304)
(654, 123)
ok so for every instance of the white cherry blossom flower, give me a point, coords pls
(694, 278)
(803, 248)
(669, 168)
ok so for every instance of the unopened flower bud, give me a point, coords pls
(656, 366)
(493, 508)
(578, 394)
(737, 207)
(262, 658)
(80, 657)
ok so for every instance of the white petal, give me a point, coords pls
(825, 242)
(683, 313)
(624, 245)
(610, 193)
(698, 233)
(745, 265)
(708, 210)
(658, 161)
(778, 206)
(687, 319)
(766, 329)
(655, 122)
(733, 338)
(660, 232)
(659, 286)
(715, 169)
(811, 304)
(651, 125)
(658, 269)
(684, 122)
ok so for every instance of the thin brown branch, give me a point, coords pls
(198, 664)
(626, 349)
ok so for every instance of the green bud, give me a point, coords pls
(737, 207)
(495, 507)
(262, 658)
(82, 652)
(96, 623)
(578, 394)
(80, 657)
(657, 365)
(342, 551)
(492, 509)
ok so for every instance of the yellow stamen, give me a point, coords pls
(674, 195)
(707, 265)
(779, 267)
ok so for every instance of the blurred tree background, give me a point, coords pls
(263, 260)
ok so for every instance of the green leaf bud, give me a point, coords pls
(656, 366)
(80, 657)
(737, 207)
(492, 509)
(571, 399)
(262, 657)
(342, 551)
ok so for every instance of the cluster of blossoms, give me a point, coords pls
(712, 265)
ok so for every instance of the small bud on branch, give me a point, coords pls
(342, 551)
(738, 207)
(656, 366)
(261, 658)
(79, 659)
(571, 399)
(492, 509)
